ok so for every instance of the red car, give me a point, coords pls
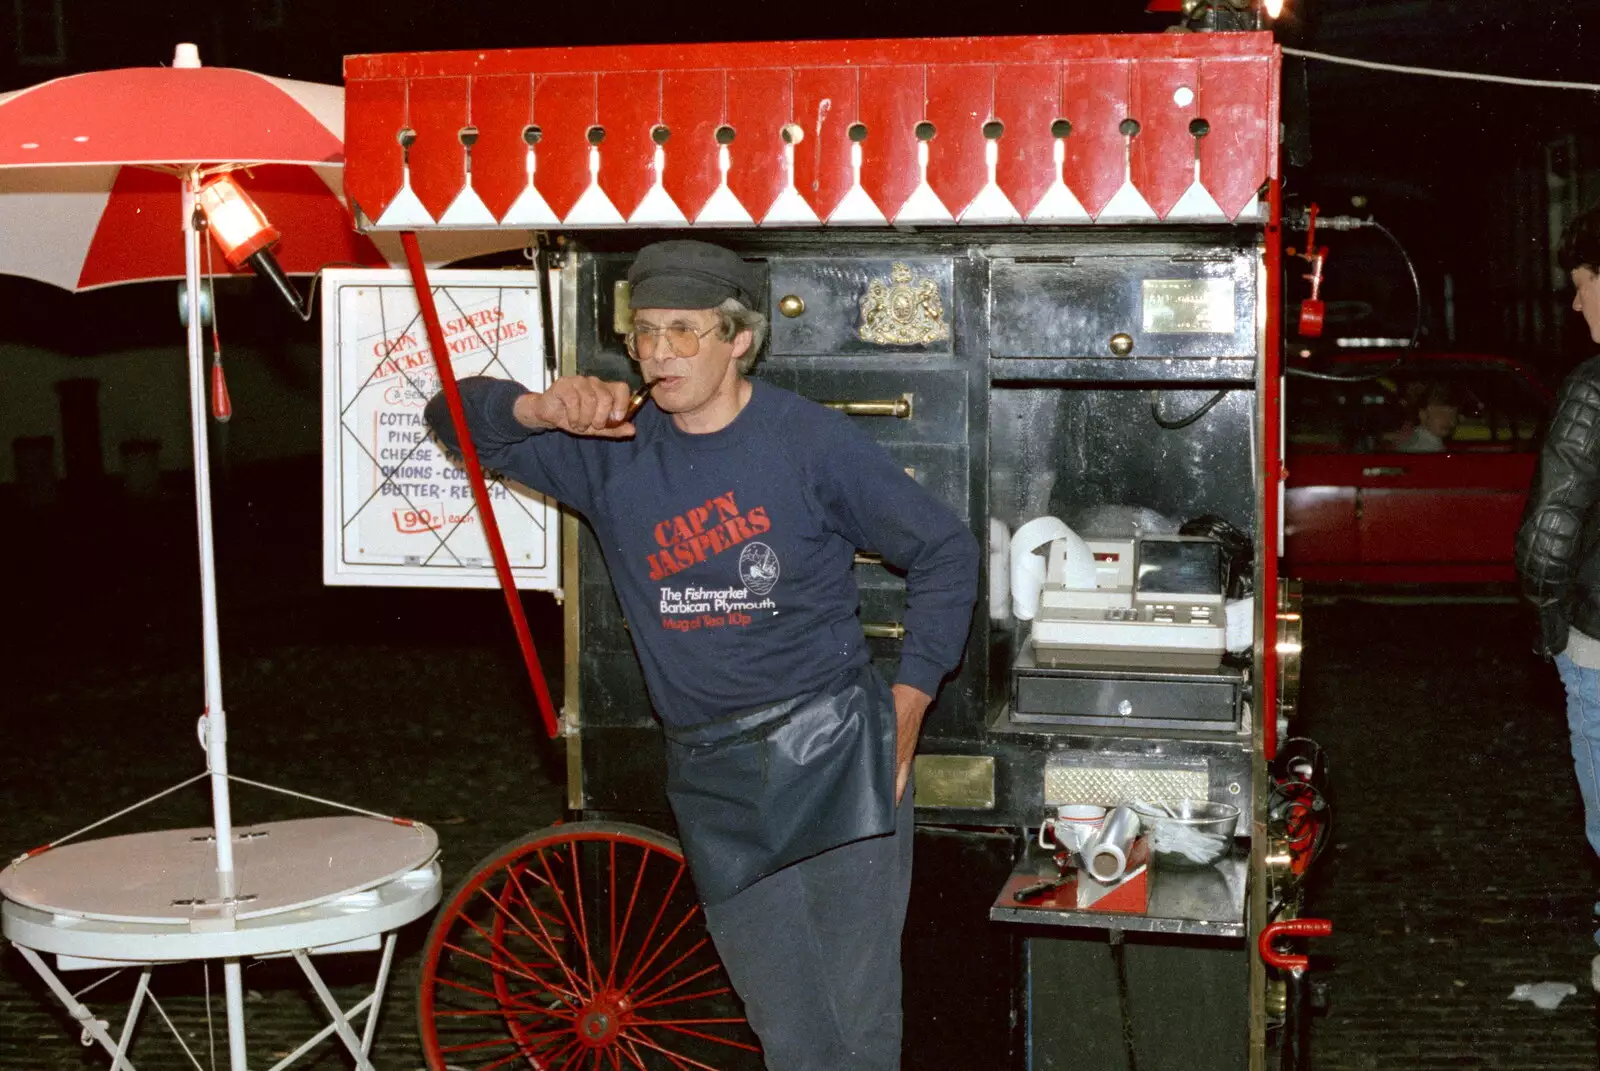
(1412, 470)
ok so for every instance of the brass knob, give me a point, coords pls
(791, 305)
(1121, 344)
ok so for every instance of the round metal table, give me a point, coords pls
(299, 888)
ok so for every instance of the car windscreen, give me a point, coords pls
(1463, 406)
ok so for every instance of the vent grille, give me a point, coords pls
(1110, 785)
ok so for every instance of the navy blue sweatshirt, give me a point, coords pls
(732, 552)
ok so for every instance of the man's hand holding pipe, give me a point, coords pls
(578, 405)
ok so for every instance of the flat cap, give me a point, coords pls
(685, 274)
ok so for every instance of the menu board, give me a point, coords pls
(397, 511)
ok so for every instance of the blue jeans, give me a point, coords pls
(1583, 718)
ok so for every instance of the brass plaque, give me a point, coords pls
(965, 781)
(1187, 306)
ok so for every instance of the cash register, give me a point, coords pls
(1155, 601)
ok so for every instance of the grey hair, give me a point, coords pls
(735, 318)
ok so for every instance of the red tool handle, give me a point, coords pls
(480, 491)
(1290, 928)
(221, 404)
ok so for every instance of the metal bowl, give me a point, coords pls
(1188, 834)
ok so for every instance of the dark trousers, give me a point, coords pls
(814, 951)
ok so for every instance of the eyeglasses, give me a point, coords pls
(682, 340)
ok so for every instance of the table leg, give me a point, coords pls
(341, 1025)
(76, 1009)
(233, 989)
(135, 1006)
(377, 994)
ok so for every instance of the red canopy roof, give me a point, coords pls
(1157, 127)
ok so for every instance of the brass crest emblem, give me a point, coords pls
(903, 310)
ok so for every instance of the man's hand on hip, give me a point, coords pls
(579, 405)
(910, 704)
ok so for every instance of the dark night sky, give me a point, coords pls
(1435, 158)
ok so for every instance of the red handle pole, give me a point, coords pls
(1289, 928)
(480, 490)
(1272, 463)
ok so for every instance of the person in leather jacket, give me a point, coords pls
(1558, 545)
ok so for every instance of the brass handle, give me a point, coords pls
(884, 630)
(1289, 648)
(1290, 645)
(1121, 344)
(791, 305)
(895, 407)
(865, 557)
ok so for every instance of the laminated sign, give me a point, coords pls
(396, 510)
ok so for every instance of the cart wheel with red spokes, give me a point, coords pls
(580, 948)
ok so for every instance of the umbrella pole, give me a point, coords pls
(215, 721)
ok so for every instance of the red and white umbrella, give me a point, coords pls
(92, 162)
(89, 166)
(108, 225)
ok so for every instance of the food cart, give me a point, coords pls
(1044, 273)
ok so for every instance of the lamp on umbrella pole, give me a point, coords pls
(244, 234)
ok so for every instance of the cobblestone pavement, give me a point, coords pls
(403, 703)
(342, 722)
(1457, 869)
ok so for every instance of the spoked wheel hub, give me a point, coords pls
(600, 1021)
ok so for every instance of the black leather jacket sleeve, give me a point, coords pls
(1555, 543)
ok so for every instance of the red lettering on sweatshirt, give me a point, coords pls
(703, 531)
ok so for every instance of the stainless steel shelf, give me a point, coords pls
(1208, 902)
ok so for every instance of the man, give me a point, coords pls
(729, 513)
(1437, 416)
(1558, 545)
